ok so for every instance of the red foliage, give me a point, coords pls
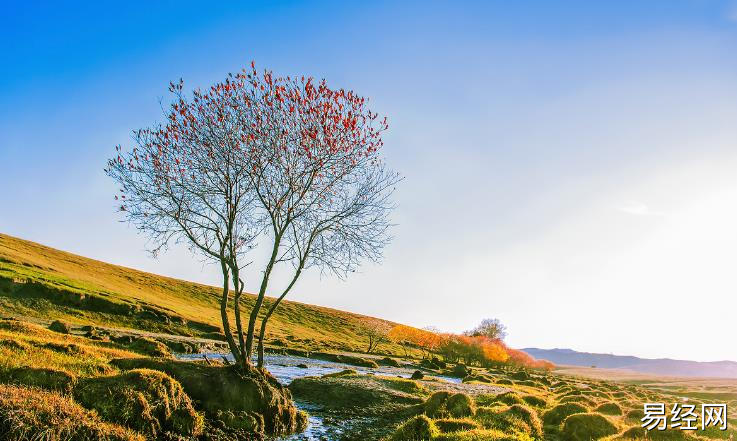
(292, 122)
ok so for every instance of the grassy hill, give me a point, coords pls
(43, 283)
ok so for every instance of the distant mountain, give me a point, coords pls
(661, 366)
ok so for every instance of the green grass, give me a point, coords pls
(44, 283)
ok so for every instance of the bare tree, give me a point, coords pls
(286, 161)
(186, 181)
(376, 333)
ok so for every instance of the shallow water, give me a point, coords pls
(321, 425)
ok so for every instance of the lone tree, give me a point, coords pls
(285, 163)
(490, 328)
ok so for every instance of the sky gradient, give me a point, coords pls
(570, 167)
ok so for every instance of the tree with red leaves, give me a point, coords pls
(285, 162)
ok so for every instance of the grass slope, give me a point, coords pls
(44, 283)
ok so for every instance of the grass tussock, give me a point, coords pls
(447, 425)
(556, 415)
(588, 426)
(610, 408)
(515, 418)
(146, 400)
(28, 414)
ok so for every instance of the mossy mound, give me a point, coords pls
(512, 418)
(230, 388)
(456, 424)
(354, 391)
(146, 400)
(60, 327)
(482, 435)
(460, 370)
(460, 405)
(243, 422)
(345, 359)
(480, 378)
(535, 401)
(444, 404)
(434, 406)
(151, 347)
(402, 385)
(418, 428)
(640, 433)
(505, 382)
(557, 414)
(634, 416)
(579, 399)
(609, 409)
(28, 414)
(587, 427)
(520, 376)
(388, 361)
(509, 398)
(343, 373)
(50, 379)
(417, 375)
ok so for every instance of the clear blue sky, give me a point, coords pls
(570, 166)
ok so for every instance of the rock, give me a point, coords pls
(60, 327)
(417, 375)
(302, 366)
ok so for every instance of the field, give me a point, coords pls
(104, 369)
(42, 283)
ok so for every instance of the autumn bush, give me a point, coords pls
(472, 350)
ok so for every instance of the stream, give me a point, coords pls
(321, 425)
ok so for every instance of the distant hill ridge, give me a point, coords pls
(661, 366)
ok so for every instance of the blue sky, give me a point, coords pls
(569, 166)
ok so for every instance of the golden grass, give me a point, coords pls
(28, 414)
(21, 261)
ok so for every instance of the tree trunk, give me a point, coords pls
(224, 317)
(261, 293)
(237, 310)
(271, 310)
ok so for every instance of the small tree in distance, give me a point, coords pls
(284, 162)
(490, 328)
(376, 333)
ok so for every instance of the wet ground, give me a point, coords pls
(328, 426)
